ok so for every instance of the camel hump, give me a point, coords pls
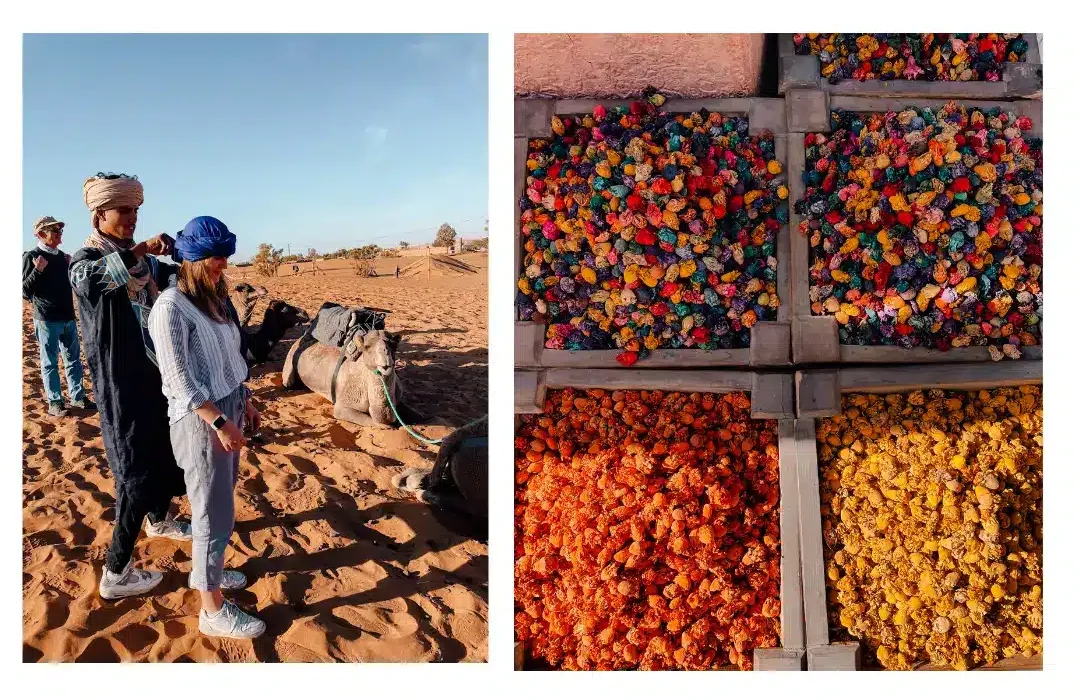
(469, 469)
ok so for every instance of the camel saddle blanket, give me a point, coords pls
(338, 326)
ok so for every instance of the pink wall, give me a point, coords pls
(622, 65)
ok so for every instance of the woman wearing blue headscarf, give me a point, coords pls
(198, 341)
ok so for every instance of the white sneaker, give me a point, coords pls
(231, 622)
(173, 529)
(129, 582)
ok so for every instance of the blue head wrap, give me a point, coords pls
(204, 237)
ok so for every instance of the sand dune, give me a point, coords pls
(343, 567)
(409, 262)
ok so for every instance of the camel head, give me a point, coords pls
(249, 295)
(246, 290)
(283, 316)
(380, 352)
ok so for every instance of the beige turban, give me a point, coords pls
(110, 193)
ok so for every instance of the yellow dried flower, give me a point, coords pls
(932, 524)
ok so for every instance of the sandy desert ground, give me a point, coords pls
(342, 566)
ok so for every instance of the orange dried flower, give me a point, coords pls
(647, 531)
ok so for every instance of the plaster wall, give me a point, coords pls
(622, 65)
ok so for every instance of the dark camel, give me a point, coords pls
(459, 479)
(278, 318)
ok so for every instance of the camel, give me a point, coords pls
(278, 318)
(357, 393)
(459, 479)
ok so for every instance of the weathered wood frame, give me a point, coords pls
(770, 341)
(770, 397)
(816, 339)
(819, 396)
(1018, 81)
(771, 393)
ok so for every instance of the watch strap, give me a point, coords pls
(219, 422)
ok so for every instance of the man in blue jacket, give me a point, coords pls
(46, 286)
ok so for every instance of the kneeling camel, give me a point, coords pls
(351, 385)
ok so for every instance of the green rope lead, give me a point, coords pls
(410, 431)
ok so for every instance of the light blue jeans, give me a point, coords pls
(210, 474)
(55, 337)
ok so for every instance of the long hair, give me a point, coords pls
(193, 281)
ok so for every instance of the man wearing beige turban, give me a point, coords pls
(116, 282)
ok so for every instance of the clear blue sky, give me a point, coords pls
(328, 141)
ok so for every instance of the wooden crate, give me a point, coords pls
(816, 339)
(770, 341)
(819, 396)
(770, 398)
(1018, 80)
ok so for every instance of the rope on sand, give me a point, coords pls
(409, 430)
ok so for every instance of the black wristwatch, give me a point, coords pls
(220, 422)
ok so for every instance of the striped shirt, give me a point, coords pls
(199, 358)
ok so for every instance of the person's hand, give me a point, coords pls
(40, 262)
(232, 438)
(252, 418)
(161, 244)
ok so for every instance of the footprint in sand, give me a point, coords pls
(137, 638)
(99, 650)
(256, 485)
(340, 437)
(37, 430)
